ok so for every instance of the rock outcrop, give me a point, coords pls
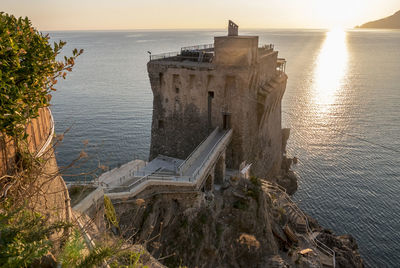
(242, 224)
(287, 177)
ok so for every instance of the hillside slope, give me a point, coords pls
(391, 22)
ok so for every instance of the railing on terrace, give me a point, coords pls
(164, 55)
(174, 178)
(320, 245)
(176, 56)
(198, 47)
(268, 46)
(281, 66)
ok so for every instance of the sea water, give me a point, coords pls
(342, 105)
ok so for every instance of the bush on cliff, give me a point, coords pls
(25, 236)
(28, 72)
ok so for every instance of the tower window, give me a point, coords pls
(160, 124)
(177, 90)
(211, 94)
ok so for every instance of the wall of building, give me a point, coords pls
(180, 119)
(267, 66)
(49, 194)
(183, 112)
(236, 50)
(38, 130)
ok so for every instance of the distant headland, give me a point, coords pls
(391, 22)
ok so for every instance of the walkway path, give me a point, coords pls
(165, 169)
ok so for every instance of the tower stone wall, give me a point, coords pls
(241, 88)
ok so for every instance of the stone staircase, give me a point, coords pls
(298, 222)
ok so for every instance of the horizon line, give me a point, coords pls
(191, 29)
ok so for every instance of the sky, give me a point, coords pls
(49, 15)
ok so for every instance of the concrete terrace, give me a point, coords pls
(132, 178)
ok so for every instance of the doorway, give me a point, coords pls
(226, 121)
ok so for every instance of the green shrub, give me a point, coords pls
(127, 259)
(72, 251)
(28, 72)
(109, 210)
(255, 181)
(24, 236)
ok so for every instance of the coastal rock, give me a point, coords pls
(345, 247)
(241, 226)
(277, 262)
(289, 182)
(287, 178)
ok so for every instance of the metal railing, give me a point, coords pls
(164, 55)
(178, 56)
(197, 171)
(156, 177)
(320, 245)
(281, 66)
(176, 53)
(49, 138)
(268, 46)
(198, 47)
(201, 144)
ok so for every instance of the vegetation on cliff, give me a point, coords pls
(31, 235)
(28, 72)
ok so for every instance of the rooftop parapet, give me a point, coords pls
(232, 50)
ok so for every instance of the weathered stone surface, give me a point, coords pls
(226, 231)
(277, 262)
(190, 99)
(235, 228)
(289, 182)
(345, 247)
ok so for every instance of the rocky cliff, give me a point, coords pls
(391, 22)
(244, 223)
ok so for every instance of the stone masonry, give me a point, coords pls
(233, 84)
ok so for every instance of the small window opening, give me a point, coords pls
(160, 124)
(211, 94)
(177, 89)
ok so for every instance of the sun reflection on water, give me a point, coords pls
(330, 70)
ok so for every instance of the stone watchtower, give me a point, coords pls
(233, 83)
